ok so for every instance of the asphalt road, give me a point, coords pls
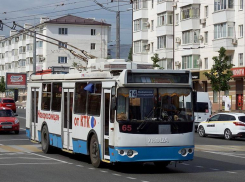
(215, 160)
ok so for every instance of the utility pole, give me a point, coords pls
(34, 50)
(118, 32)
(173, 31)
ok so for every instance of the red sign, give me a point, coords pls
(238, 72)
(16, 80)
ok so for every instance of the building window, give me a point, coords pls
(190, 11)
(152, 25)
(62, 44)
(166, 64)
(240, 58)
(191, 36)
(62, 60)
(141, 46)
(137, 46)
(92, 46)
(222, 4)
(141, 24)
(177, 19)
(206, 11)
(165, 18)
(229, 62)
(205, 37)
(206, 63)
(240, 30)
(190, 62)
(63, 31)
(93, 31)
(241, 4)
(22, 49)
(29, 47)
(39, 44)
(161, 42)
(22, 62)
(220, 30)
(215, 96)
(140, 4)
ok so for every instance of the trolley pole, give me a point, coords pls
(34, 52)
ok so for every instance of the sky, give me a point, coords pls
(30, 11)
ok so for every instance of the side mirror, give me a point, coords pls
(208, 120)
(15, 114)
(113, 103)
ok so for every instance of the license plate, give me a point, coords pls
(6, 127)
(8, 105)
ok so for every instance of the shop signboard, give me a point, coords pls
(238, 72)
(16, 80)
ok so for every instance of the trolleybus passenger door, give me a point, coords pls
(34, 113)
(106, 123)
(67, 118)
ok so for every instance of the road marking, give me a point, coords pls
(214, 169)
(200, 166)
(12, 140)
(131, 178)
(225, 154)
(15, 164)
(231, 172)
(80, 166)
(91, 168)
(22, 158)
(185, 164)
(104, 171)
(49, 158)
(69, 163)
(21, 117)
(116, 174)
(6, 148)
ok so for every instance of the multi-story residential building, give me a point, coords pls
(201, 28)
(16, 51)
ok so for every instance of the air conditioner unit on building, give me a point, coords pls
(202, 21)
(177, 40)
(234, 41)
(200, 37)
(41, 59)
(147, 47)
(199, 62)
(147, 24)
(177, 63)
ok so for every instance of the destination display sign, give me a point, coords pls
(141, 93)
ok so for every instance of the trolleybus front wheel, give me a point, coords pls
(46, 148)
(94, 152)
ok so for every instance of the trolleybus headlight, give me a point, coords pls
(183, 152)
(130, 153)
(121, 152)
(190, 151)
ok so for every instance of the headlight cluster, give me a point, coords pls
(16, 121)
(185, 151)
(129, 153)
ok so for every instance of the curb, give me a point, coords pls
(21, 107)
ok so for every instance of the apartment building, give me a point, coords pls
(201, 27)
(16, 51)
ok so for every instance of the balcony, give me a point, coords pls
(223, 16)
(22, 43)
(228, 43)
(190, 24)
(29, 54)
(166, 53)
(29, 41)
(29, 67)
(164, 30)
(14, 58)
(141, 35)
(21, 69)
(22, 56)
(164, 6)
(39, 51)
(141, 13)
(183, 3)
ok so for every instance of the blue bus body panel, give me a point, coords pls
(147, 154)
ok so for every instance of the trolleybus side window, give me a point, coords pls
(56, 97)
(46, 96)
(80, 98)
(94, 100)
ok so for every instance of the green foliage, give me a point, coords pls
(220, 73)
(155, 59)
(130, 58)
(2, 85)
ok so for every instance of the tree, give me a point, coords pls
(155, 59)
(2, 85)
(221, 73)
(130, 58)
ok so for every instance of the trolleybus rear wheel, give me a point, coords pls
(94, 152)
(46, 148)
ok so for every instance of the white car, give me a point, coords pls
(229, 125)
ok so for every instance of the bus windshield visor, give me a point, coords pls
(159, 104)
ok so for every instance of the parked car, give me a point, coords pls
(8, 102)
(229, 125)
(8, 120)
